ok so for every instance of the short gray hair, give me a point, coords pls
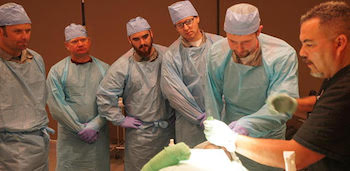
(333, 15)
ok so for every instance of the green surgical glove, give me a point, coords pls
(220, 134)
(170, 156)
(281, 103)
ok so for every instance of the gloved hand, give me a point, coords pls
(238, 129)
(131, 122)
(88, 135)
(281, 103)
(218, 133)
(202, 117)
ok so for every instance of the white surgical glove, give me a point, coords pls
(220, 134)
(281, 103)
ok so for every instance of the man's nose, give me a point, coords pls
(240, 48)
(25, 36)
(80, 43)
(142, 41)
(186, 27)
(302, 52)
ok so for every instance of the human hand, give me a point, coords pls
(131, 122)
(220, 134)
(238, 129)
(88, 135)
(120, 102)
(281, 103)
(202, 117)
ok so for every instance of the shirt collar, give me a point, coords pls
(25, 55)
(186, 43)
(80, 63)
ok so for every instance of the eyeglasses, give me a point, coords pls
(188, 22)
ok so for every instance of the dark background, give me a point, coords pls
(106, 19)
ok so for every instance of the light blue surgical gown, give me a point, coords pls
(245, 88)
(138, 84)
(24, 142)
(72, 102)
(183, 82)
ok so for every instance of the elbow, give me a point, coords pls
(304, 157)
(304, 161)
(301, 165)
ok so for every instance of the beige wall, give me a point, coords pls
(106, 19)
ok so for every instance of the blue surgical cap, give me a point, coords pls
(181, 10)
(74, 30)
(136, 25)
(242, 19)
(13, 14)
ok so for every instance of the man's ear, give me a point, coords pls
(129, 39)
(151, 33)
(2, 31)
(259, 30)
(341, 42)
(198, 19)
(66, 44)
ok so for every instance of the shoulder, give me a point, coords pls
(270, 44)
(339, 87)
(175, 45)
(217, 57)
(36, 55)
(160, 48)
(219, 50)
(276, 50)
(335, 99)
(173, 51)
(124, 59)
(213, 37)
(59, 66)
(104, 64)
(122, 63)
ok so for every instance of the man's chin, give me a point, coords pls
(188, 37)
(82, 52)
(144, 54)
(242, 55)
(22, 47)
(317, 74)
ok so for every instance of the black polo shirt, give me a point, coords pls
(327, 130)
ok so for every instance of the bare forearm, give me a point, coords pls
(265, 151)
(270, 151)
(306, 104)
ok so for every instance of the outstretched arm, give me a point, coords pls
(270, 151)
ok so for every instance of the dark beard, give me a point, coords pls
(142, 54)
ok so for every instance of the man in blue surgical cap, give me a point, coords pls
(243, 70)
(135, 77)
(24, 142)
(83, 138)
(183, 72)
